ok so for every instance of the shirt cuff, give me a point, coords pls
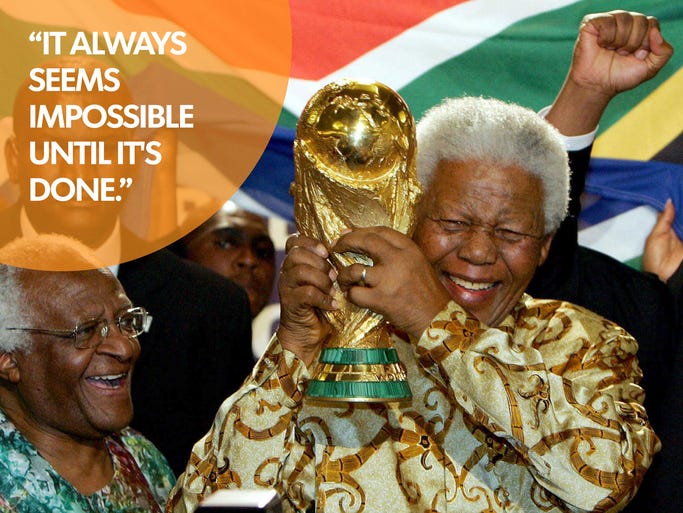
(574, 142)
(282, 365)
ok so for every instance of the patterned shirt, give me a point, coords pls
(28, 483)
(540, 414)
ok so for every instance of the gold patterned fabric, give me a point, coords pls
(540, 414)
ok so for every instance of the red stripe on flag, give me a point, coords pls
(328, 34)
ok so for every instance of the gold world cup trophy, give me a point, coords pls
(354, 156)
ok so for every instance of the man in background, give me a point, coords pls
(235, 243)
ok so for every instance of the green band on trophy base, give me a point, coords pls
(359, 391)
(359, 375)
(351, 356)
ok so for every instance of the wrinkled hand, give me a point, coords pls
(305, 288)
(663, 249)
(401, 285)
(618, 50)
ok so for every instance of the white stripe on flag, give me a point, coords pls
(623, 236)
(443, 36)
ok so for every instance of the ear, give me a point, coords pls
(545, 247)
(9, 371)
(12, 158)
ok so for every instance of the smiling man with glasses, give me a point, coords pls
(68, 346)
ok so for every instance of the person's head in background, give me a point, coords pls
(235, 243)
(91, 222)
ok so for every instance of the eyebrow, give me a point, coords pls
(100, 315)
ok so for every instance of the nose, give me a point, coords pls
(246, 258)
(477, 247)
(118, 345)
(76, 169)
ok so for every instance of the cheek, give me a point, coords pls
(217, 260)
(523, 266)
(267, 272)
(28, 170)
(48, 387)
(204, 254)
(433, 246)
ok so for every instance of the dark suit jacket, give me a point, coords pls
(197, 352)
(662, 489)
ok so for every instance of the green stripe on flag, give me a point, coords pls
(527, 62)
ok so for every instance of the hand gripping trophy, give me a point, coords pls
(354, 156)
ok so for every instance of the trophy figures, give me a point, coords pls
(354, 156)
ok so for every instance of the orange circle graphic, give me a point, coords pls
(132, 121)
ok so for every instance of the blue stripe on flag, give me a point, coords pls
(269, 182)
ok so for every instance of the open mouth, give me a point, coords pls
(108, 380)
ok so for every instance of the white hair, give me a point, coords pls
(27, 254)
(486, 129)
(13, 310)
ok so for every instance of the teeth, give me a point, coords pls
(471, 285)
(109, 377)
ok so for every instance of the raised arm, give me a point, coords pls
(614, 52)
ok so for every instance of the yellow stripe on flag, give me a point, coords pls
(647, 128)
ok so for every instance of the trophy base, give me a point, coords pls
(359, 375)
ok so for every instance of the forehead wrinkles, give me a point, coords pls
(483, 203)
(70, 295)
(487, 194)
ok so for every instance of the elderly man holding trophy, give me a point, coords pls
(513, 401)
(410, 370)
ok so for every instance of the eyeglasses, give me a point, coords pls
(91, 333)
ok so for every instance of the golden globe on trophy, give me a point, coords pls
(354, 156)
